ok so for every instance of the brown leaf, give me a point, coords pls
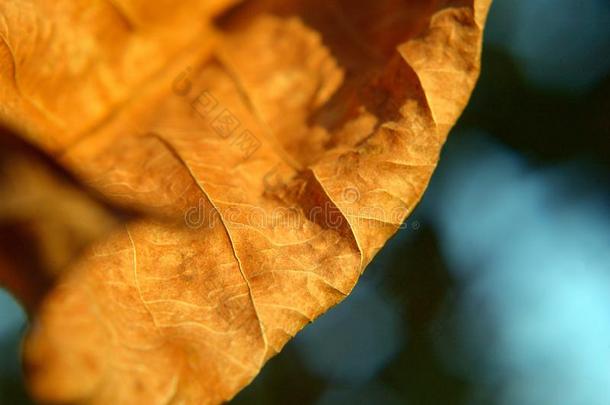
(288, 140)
(46, 219)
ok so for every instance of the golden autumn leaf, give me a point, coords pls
(46, 219)
(286, 141)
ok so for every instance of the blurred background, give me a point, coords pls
(498, 289)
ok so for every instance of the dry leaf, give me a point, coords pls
(46, 219)
(288, 140)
